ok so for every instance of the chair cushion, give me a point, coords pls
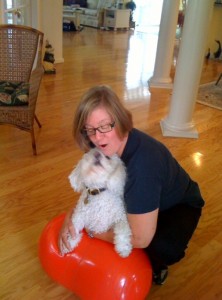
(14, 93)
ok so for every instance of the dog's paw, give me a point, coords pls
(123, 250)
(122, 238)
(123, 245)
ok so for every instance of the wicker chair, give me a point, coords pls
(21, 72)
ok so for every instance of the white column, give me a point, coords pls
(51, 19)
(1, 12)
(36, 8)
(165, 46)
(179, 122)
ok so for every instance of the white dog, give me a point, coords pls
(101, 180)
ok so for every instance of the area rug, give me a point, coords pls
(210, 94)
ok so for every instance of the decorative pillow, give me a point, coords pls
(82, 3)
(92, 4)
(90, 12)
(13, 93)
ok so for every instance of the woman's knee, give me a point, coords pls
(166, 252)
(172, 256)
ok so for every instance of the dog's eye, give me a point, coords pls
(107, 157)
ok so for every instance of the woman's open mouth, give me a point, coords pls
(102, 146)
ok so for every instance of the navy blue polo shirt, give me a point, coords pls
(154, 177)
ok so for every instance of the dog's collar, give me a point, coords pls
(94, 192)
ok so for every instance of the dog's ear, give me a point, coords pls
(75, 178)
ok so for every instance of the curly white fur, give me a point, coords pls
(105, 210)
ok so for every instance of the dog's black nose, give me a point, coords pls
(97, 155)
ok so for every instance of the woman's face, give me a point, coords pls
(109, 143)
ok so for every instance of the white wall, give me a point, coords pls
(50, 22)
(215, 32)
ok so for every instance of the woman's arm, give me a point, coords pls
(143, 227)
(66, 230)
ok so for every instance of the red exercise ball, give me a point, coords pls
(94, 271)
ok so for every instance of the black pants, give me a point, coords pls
(175, 228)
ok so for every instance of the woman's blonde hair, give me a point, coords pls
(100, 96)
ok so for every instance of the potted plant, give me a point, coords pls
(132, 6)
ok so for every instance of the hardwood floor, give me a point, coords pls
(35, 189)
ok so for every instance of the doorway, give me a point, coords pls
(147, 15)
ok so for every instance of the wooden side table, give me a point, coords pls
(73, 16)
(116, 18)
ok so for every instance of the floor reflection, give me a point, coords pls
(141, 59)
(142, 49)
(147, 14)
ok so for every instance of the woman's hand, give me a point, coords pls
(66, 231)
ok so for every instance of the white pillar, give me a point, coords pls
(179, 122)
(36, 8)
(1, 12)
(51, 19)
(165, 46)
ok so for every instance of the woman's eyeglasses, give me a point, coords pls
(102, 129)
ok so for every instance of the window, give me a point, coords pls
(16, 12)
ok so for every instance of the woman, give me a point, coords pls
(163, 203)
